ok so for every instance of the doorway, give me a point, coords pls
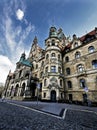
(53, 96)
(33, 89)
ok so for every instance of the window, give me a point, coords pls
(46, 69)
(47, 56)
(76, 44)
(53, 69)
(59, 69)
(91, 49)
(20, 73)
(35, 75)
(58, 56)
(77, 55)
(94, 64)
(44, 95)
(80, 68)
(42, 64)
(45, 82)
(82, 83)
(41, 74)
(69, 83)
(53, 55)
(67, 59)
(36, 66)
(68, 71)
(61, 82)
(70, 97)
(53, 42)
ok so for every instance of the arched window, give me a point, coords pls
(45, 82)
(91, 49)
(80, 68)
(67, 59)
(58, 56)
(68, 71)
(47, 56)
(76, 44)
(61, 82)
(53, 69)
(77, 55)
(69, 84)
(46, 69)
(42, 64)
(94, 64)
(53, 42)
(53, 55)
(82, 83)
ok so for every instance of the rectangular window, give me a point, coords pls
(53, 69)
(44, 95)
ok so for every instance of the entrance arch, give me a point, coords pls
(22, 90)
(33, 89)
(16, 90)
(53, 96)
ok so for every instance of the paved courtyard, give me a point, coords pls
(16, 115)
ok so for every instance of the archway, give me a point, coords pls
(11, 91)
(32, 89)
(16, 90)
(22, 90)
(53, 96)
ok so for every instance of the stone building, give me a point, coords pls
(66, 70)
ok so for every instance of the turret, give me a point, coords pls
(53, 32)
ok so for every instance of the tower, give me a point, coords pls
(53, 81)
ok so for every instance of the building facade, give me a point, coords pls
(66, 70)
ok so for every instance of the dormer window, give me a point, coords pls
(77, 55)
(76, 44)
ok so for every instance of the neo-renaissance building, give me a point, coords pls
(66, 70)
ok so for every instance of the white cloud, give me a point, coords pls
(5, 61)
(5, 66)
(19, 14)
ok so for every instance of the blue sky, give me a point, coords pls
(22, 20)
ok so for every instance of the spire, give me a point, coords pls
(35, 41)
(23, 56)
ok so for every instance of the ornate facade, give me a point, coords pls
(66, 70)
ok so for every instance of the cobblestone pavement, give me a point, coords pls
(18, 118)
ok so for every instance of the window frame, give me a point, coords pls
(77, 55)
(94, 64)
(53, 69)
(80, 68)
(68, 71)
(91, 49)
